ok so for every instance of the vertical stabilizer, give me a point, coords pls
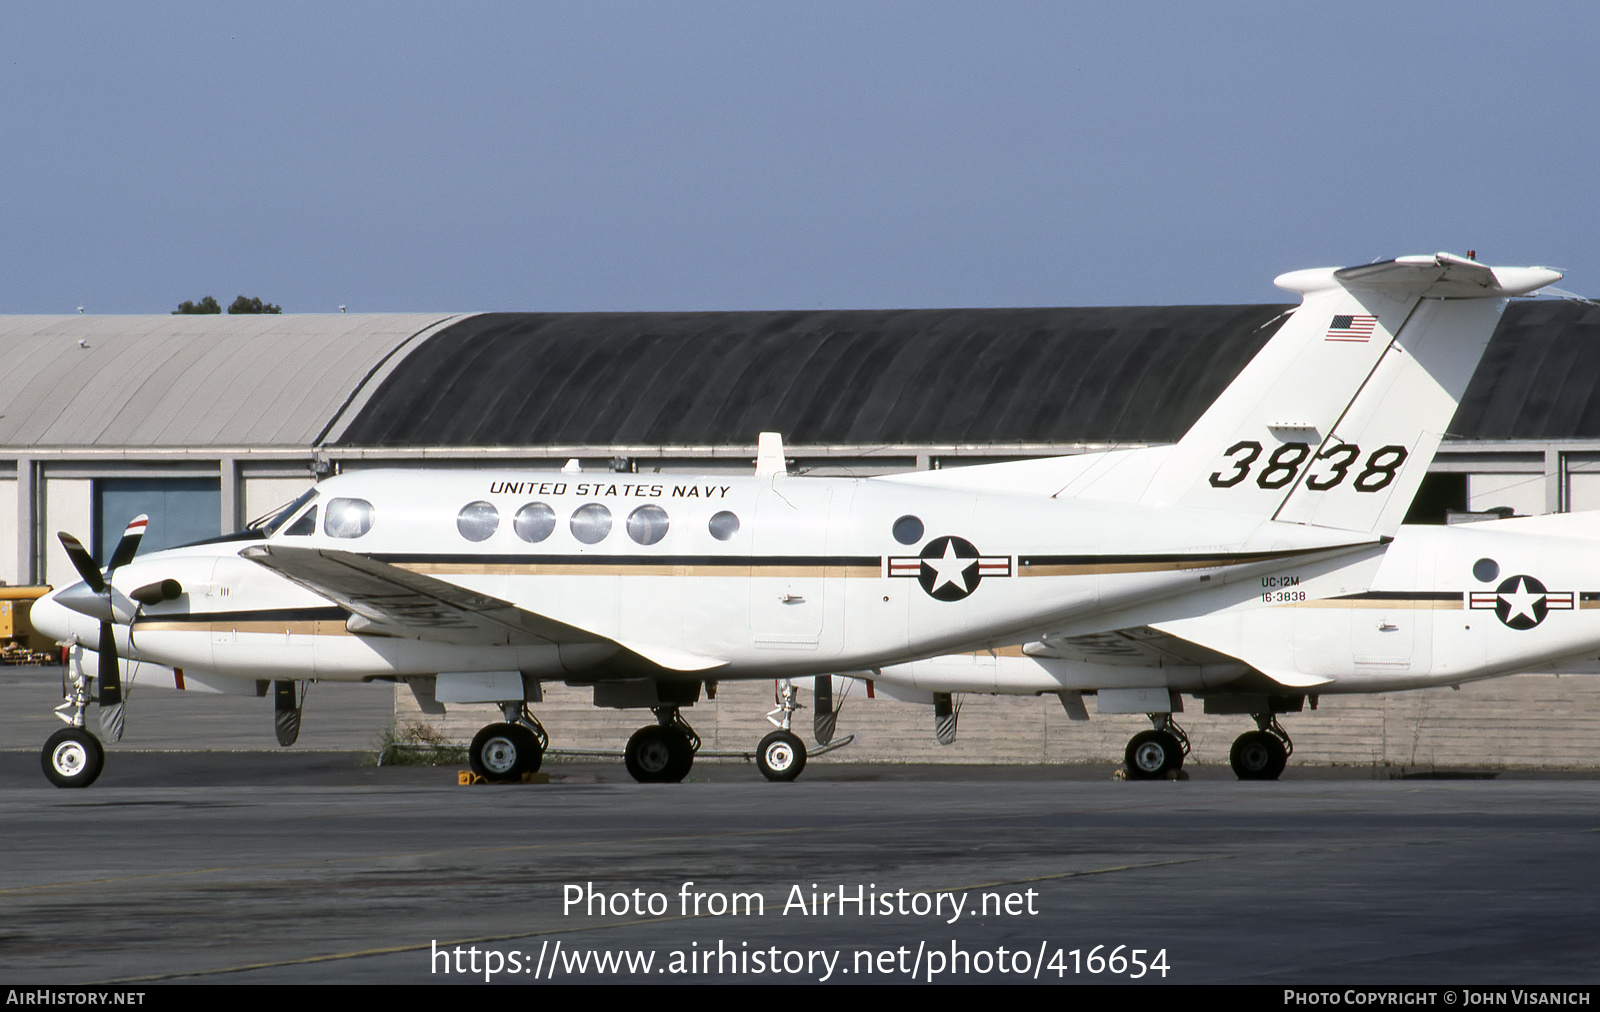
(1334, 422)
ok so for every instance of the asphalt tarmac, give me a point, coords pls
(307, 867)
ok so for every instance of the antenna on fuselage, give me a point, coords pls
(769, 454)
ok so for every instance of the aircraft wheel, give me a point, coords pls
(503, 752)
(781, 756)
(658, 755)
(1152, 755)
(72, 757)
(1258, 755)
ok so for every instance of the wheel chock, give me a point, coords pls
(467, 778)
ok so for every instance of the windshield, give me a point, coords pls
(270, 523)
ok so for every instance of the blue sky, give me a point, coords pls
(639, 156)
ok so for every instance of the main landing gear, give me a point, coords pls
(1263, 753)
(1153, 754)
(663, 752)
(504, 752)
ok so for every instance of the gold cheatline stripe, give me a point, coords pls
(1419, 604)
(309, 628)
(1011, 651)
(647, 569)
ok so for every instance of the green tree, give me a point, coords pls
(203, 307)
(252, 305)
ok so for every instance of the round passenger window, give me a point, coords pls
(534, 522)
(908, 530)
(1485, 570)
(724, 526)
(648, 524)
(591, 522)
(347, 518)
(478, 521)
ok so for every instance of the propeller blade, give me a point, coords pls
(129, 543)
(83, 562)
(110, 669)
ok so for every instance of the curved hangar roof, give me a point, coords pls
(150, 381)
(862, 377)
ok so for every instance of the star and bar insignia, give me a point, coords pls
(949, 568)
(1522, 602)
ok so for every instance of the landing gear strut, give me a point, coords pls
(663, 752)
(504, 752)
(1263, 753)
(1153, 754)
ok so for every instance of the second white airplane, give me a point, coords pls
(476, 586)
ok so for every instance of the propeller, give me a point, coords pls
(102, 601)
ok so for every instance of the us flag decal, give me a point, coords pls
(1351, 328)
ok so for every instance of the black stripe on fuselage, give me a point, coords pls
(731, 561)
(330, 614)
(1402, 595)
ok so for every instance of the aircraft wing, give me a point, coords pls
(397, 602)
(387, 600)
(1145, 646)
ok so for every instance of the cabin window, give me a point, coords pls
(534, 522)
(724, 526)
(648, 524)
(306, 525)
(347, 518)
(591, 522)
(908, 530)
(478, 521)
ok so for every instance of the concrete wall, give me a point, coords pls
(1524, 721)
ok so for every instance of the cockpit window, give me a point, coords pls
(347, 518)
(270, 523)
(306, 525)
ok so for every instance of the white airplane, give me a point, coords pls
(1437, 606)
(476, 586)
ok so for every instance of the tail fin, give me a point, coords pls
(1334, 422)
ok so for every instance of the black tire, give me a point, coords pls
(1258, 755)
(781, 756)
(658, 755)
(72, 757)
(1151, 755)
(504, 752)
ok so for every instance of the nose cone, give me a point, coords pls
(55, 620)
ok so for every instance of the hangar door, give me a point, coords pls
(181, 510)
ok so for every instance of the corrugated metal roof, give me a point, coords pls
(154, 381)
(864, 377)
(861, 377)
(1539, 378)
